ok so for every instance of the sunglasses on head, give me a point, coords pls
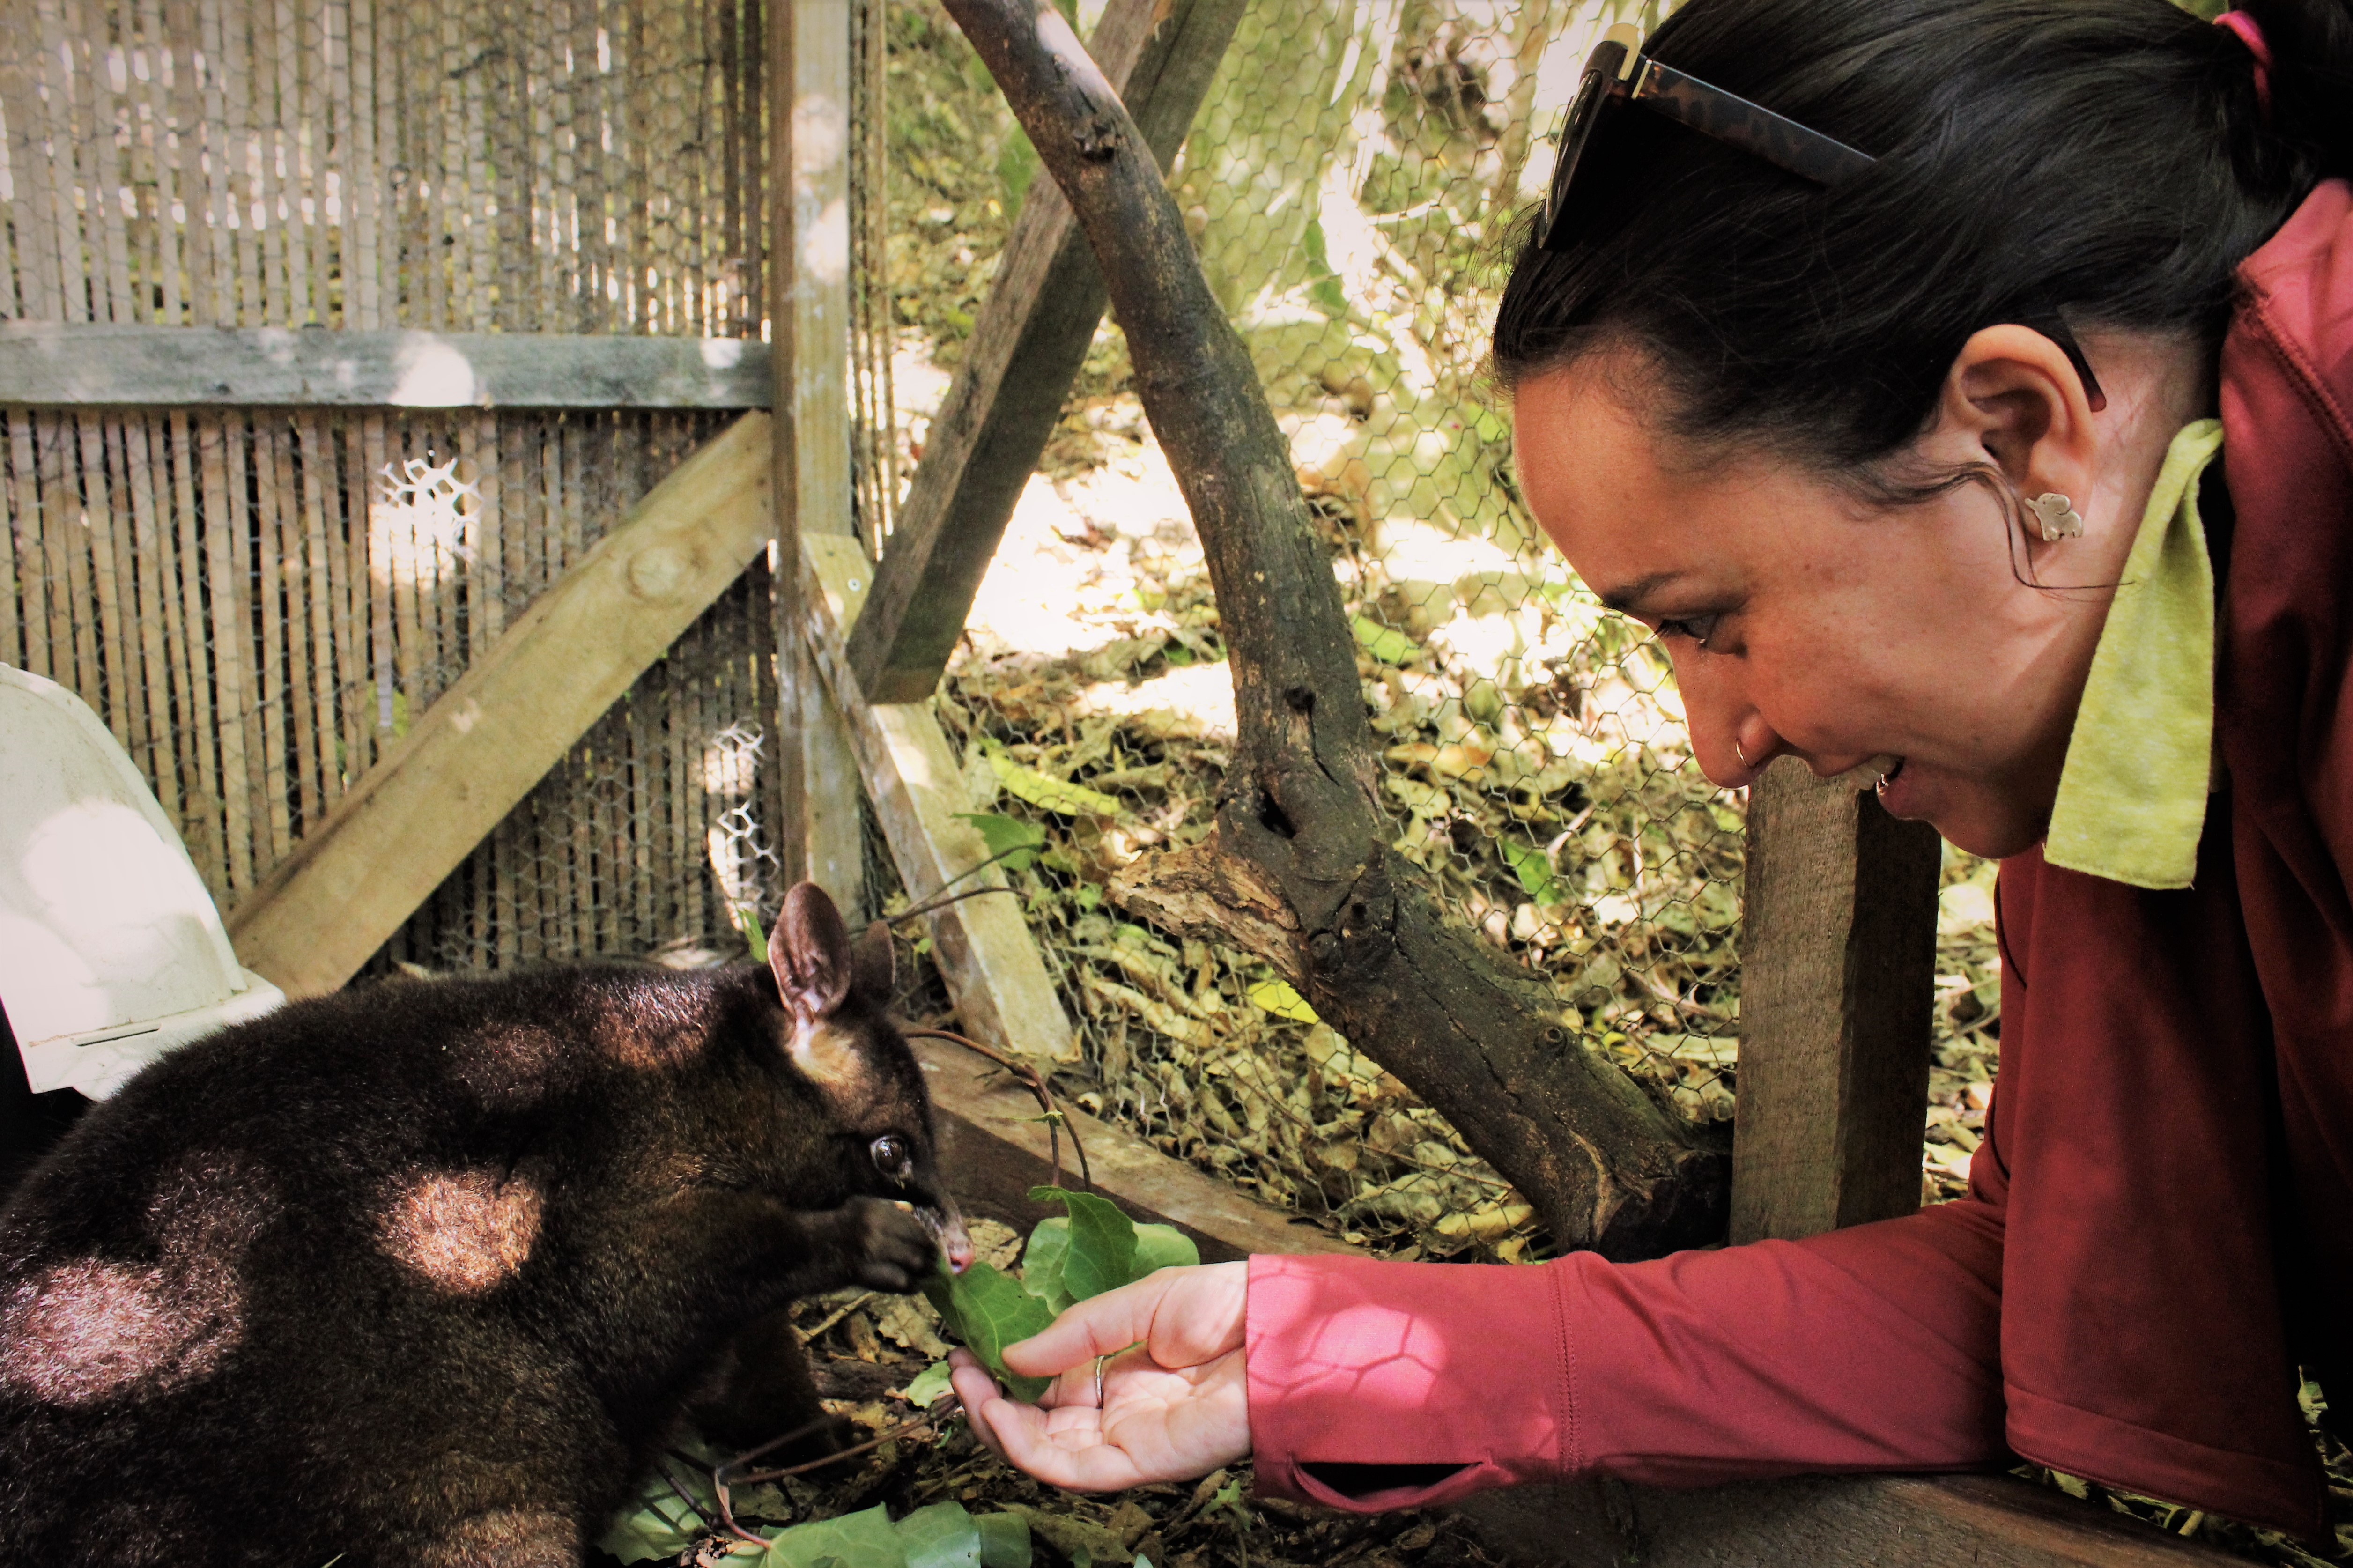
(1618, 76)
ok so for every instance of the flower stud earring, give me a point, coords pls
(2056, 517)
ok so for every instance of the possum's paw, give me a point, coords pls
(892, 1250)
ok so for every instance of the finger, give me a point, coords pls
(1185, 1315)
(976, 1391)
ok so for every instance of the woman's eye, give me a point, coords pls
(1698, 628)
(891, 1157)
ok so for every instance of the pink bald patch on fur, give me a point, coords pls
(82, 1331)
(463, 1230)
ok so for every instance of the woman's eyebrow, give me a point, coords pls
(1629, 598)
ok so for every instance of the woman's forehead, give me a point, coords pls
(1599, 477)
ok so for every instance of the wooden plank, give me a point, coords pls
(788, 588)
(494, 733)
(992, 1140)
(1027, 347)
(1838, 965)
(1847, 1521)
(64, 364)
(983, 948)
(820, 837)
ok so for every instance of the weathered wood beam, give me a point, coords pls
(991, 1139)
(66, 364)
(1846, 1522)
(1026, 349)
(809, 89)
(1838, 956)
(487, 740)
(1299, 867)
(982, 945)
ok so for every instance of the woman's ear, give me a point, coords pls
(2012, 399)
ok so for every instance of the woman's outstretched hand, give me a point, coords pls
(1175, 1404)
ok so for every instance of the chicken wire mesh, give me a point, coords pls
(1346, 183)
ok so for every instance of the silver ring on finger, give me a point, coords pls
(1099, 1380)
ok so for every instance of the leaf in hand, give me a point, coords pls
(989, 1311)
(1042, 1259)
(1102, 1254)
(1162, 1247)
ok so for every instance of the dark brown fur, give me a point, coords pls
(422, 1273)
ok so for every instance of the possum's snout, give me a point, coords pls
(947, 1225)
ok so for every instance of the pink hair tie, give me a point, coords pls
(2251, 33)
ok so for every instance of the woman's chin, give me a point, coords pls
(1970, 817)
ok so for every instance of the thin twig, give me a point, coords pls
(683, 1495)
(885, 1436)
(928, 905)
(837, 1315)
(722, 1482)
(1029, 1079)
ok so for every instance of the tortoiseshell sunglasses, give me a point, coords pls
(1616, 74)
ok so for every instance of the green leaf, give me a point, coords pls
(1387, 643)
(1049, 793)
(1004, 1540)
(941, 1536)
(1278, 998)
(1041, 1261)
(929, 1384)
(863, 1539)
(1162, 1247)
(1102, 1242)
(747, 921)
(1009, 837)
(656, 1530)
(989, 1311)
(1534, 869)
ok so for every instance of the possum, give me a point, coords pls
(427, 1272)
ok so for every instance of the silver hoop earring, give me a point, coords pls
(1739, 753)
(2056, 517)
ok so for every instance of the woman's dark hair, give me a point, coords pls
(2108, 158)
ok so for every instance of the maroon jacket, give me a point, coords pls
(2160, 1223)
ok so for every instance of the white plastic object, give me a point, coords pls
(111, 949)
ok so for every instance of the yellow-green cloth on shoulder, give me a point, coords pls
(2132, 794)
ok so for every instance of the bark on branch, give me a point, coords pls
(1299, 868)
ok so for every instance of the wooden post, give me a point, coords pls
(819, 836)
(1838, 965)
(1028, 346)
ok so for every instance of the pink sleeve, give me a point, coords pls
(1872, 1348)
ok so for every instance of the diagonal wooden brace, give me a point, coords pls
(1026, 349)
(488, 739)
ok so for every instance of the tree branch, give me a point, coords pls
(1299, 867)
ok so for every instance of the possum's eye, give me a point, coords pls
(891, 1157)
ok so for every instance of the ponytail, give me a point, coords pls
(2311, 44)
(2109, 159)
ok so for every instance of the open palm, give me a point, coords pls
(1175, 1395)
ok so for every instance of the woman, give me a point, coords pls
(1898, 424)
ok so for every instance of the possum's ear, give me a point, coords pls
(873, 965)
(810, 952)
